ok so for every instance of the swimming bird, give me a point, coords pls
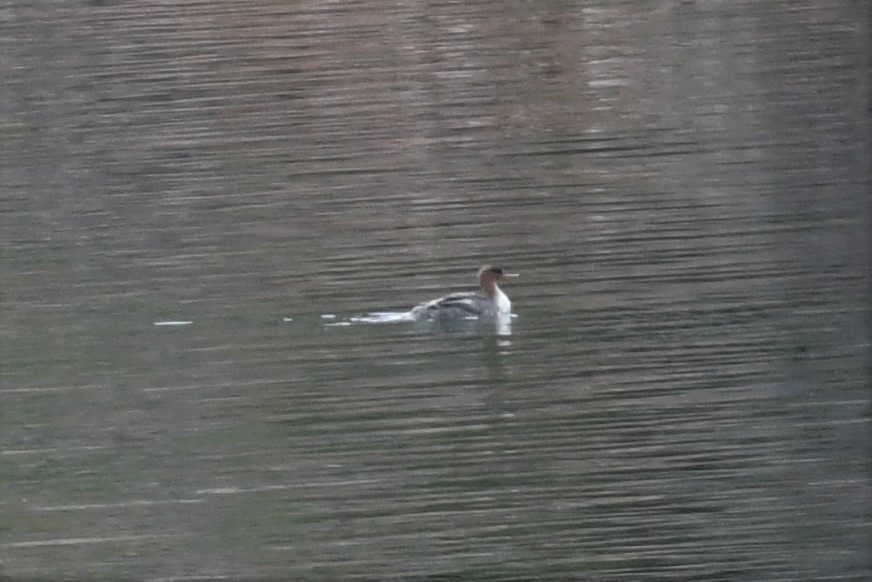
(490, 303)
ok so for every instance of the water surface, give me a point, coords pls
(189, 188)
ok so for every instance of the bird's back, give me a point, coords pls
(454, 306)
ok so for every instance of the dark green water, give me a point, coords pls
(684, 394)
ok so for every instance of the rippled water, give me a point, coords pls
(195, 194)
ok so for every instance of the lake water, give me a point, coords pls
(197, 197)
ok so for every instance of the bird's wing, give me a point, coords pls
(464, 301)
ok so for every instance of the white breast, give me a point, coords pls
(503, 303)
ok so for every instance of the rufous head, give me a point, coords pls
(494, 274)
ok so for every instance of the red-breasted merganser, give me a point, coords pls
(492, 303)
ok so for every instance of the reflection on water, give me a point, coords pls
(207, 209)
